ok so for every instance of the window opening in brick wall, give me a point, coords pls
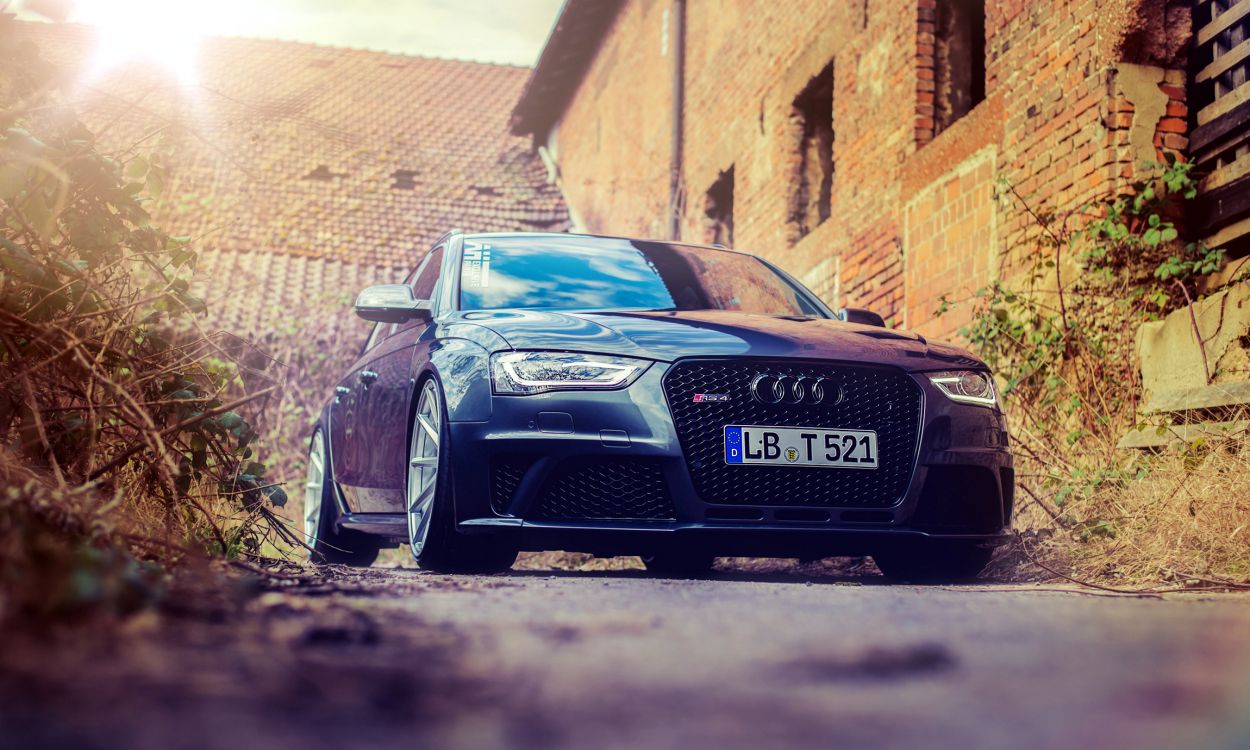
(812, 197)
(951, 54)
(718, 210)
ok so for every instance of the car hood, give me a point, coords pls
(668, 336)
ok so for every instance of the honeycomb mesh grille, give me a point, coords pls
(884, 400)
(620, 489)
(506, 473)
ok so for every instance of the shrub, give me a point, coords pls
(109, 390)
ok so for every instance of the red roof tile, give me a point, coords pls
(348, 156)
(275, 297)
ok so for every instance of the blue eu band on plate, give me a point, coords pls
(800, 446)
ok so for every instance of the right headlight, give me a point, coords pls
(520, 373)
(966, 386)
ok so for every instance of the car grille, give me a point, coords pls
(506, 473)
(880, 399)
(616, 489)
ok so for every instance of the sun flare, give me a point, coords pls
(163, 33)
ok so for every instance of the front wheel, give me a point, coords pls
(934, 563)
(432, 535)
(325, 544)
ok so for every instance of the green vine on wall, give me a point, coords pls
(1060, 331)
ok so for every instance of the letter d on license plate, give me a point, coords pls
(801, 446)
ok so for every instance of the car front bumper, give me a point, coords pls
(960, 487)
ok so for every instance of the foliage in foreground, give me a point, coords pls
(1060, 336)
(111, 397)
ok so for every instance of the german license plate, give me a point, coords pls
(801, 446)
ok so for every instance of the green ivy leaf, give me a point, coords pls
(137, 168)
(155, 184)
(276, 495)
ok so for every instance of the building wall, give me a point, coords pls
(1076, 96)
(613, 143)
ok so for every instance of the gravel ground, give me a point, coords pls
(613, 659)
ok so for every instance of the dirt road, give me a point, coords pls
(402, 658)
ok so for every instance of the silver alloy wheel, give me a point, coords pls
(313, 488)
(423, 466)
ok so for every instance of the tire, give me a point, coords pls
(328, 546)
(680, 564)
(934, 563)
(432, 536)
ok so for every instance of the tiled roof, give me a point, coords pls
(351, 157)
(272, 298)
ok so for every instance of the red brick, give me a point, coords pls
(1172, 125)
(1175, 142)
(1175, 93)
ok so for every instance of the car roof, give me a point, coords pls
(539, 235)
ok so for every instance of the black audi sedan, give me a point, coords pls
(633, 397)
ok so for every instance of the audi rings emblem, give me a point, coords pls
(772, 389)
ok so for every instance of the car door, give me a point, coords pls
(386, 391)
(348, 454)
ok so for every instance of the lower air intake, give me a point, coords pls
(601, 489)
(506, 473)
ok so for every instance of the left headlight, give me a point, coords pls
(966, 386)
(519, 373)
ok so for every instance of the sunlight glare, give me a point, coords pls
(166, 33)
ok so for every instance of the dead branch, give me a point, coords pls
(183, 425)
(1144, 593)
(1193, 321)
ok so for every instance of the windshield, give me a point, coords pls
(583, 273)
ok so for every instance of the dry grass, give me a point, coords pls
(1181, 517)
(574, 561)
(748, 566)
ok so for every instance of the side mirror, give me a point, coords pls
(861, 316)
(391, 303)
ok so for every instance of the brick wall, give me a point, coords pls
(1069, 112)
(613, 143)
(950, 231)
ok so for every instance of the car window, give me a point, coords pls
(584, 273)
(423, 279)
(423, 286)
(379, 332)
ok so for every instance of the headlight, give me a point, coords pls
(518, 373)
(966, 386)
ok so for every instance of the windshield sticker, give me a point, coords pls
(476, 272)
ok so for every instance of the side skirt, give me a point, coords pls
(379, 524)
